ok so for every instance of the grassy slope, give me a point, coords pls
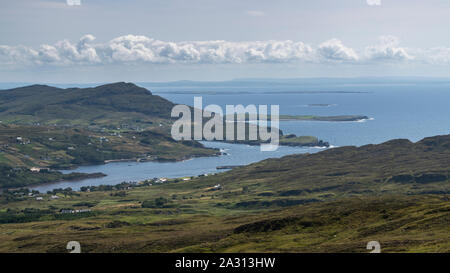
(68, 147)
(333, 201)
(107, 105)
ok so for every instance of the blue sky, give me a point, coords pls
(137, 40)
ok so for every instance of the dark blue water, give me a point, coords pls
(396, 112)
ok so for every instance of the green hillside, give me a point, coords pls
(337, 200)
(114, 104)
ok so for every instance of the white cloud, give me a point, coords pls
(255, 13)
(374, 2)
(388, 49)
(141, 49)
(11, 55)
(134, 49)
(335, 50)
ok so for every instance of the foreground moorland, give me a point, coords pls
(397, 193)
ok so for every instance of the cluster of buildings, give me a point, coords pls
(40, 198)
(63, 211)
(22, 141)
(36, 169)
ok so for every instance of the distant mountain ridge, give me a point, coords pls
(111, 104)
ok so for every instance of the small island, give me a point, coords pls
(289, 140)
(319, 105)
(323, 118)
(338, 118)
(303, 141)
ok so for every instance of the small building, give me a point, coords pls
(39, 198)
(161, 180)
(54, 197)
(74, 211)
(35, 170)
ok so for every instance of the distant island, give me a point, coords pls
(324, 118)
(319, 105)
(290, 140)
(339, 118)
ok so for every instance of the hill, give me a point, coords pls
(114, 104)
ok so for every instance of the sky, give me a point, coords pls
(68, 41)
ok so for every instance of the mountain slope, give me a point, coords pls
(111, 104)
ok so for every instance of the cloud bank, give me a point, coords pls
(141, 49)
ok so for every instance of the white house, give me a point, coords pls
(35, 170)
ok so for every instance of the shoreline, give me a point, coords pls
(99, 175)
(219, 164)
